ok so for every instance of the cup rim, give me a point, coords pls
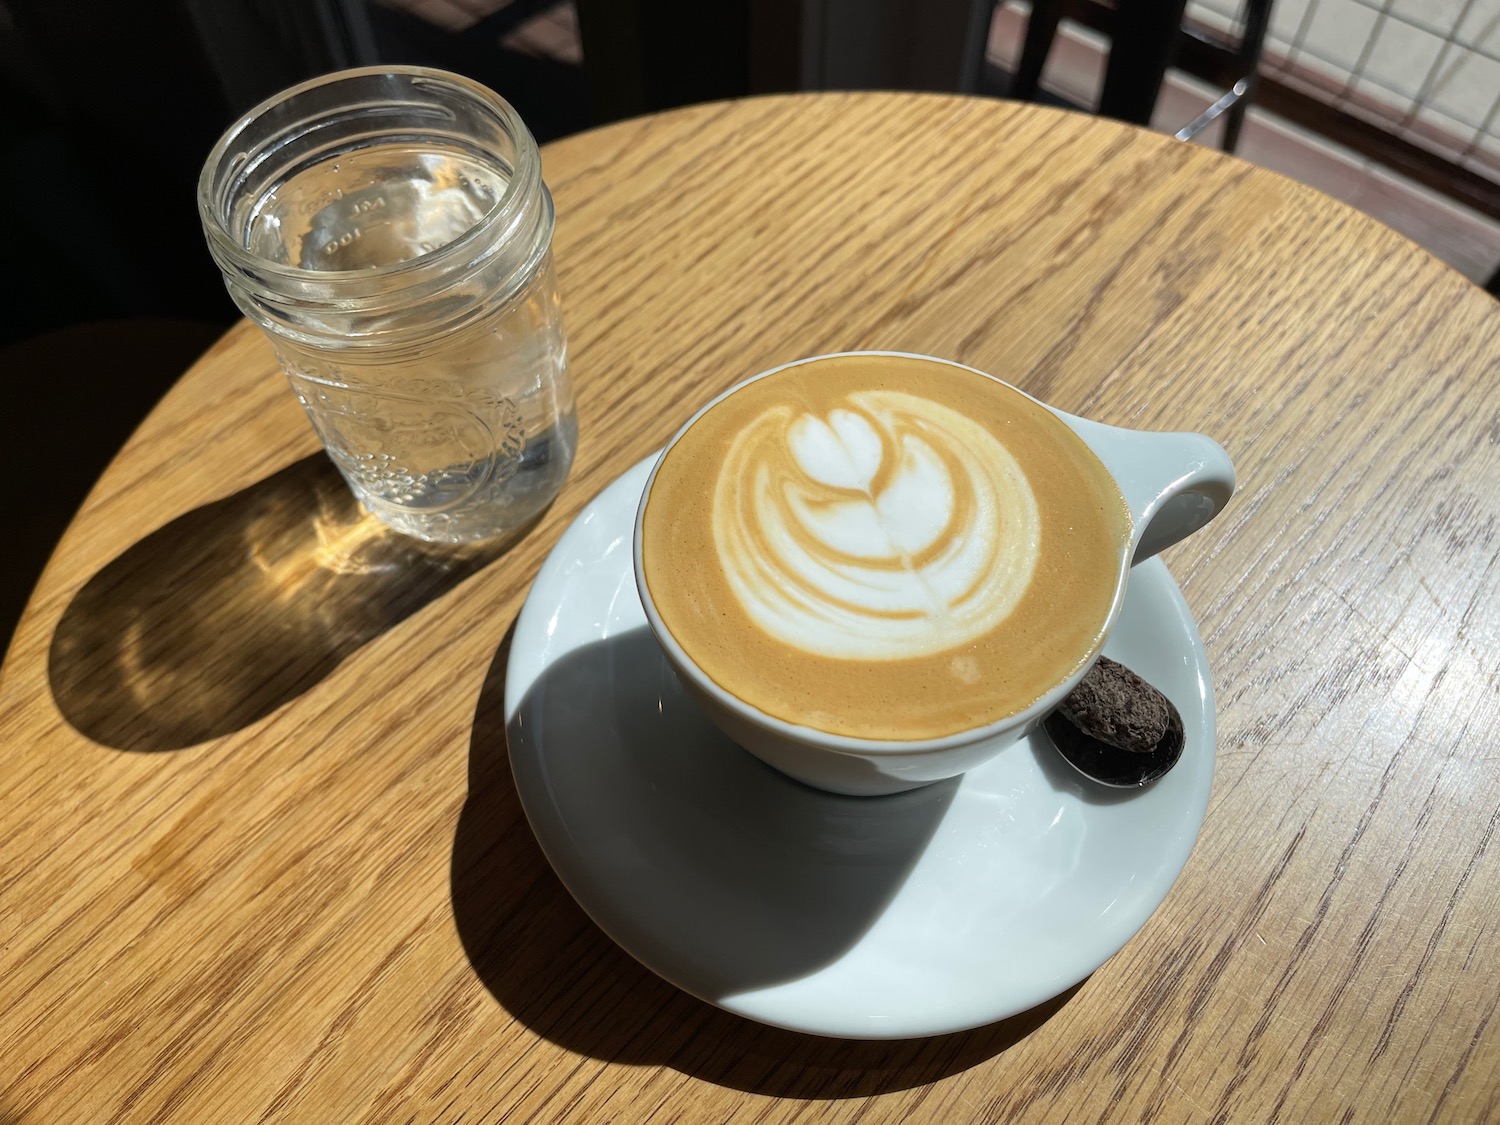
(843, 743)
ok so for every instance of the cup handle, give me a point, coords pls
(1173, 483)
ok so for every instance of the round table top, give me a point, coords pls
(262, 856)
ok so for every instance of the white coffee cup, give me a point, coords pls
(1172, 484)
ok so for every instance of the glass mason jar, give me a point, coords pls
(389, 230)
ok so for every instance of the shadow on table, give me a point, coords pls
(238, 607)
(556, 971)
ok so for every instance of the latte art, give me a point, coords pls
(890, 527)
(882, 546)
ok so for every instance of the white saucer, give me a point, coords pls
(927, 912)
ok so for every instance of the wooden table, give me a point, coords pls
(262, 858)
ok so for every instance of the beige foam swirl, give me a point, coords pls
(891, 527)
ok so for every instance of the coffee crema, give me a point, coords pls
(884, 547)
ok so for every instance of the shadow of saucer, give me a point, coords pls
(230, 611)
(551, 967)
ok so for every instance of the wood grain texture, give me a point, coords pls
(261, 858)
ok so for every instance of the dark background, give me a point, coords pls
(108, 108)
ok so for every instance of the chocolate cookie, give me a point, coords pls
(1116, 728)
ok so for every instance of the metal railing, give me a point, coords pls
(1414, 84)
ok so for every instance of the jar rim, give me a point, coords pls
(219, 168)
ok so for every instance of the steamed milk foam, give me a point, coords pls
(883, 547)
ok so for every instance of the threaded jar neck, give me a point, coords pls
(375, 207)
